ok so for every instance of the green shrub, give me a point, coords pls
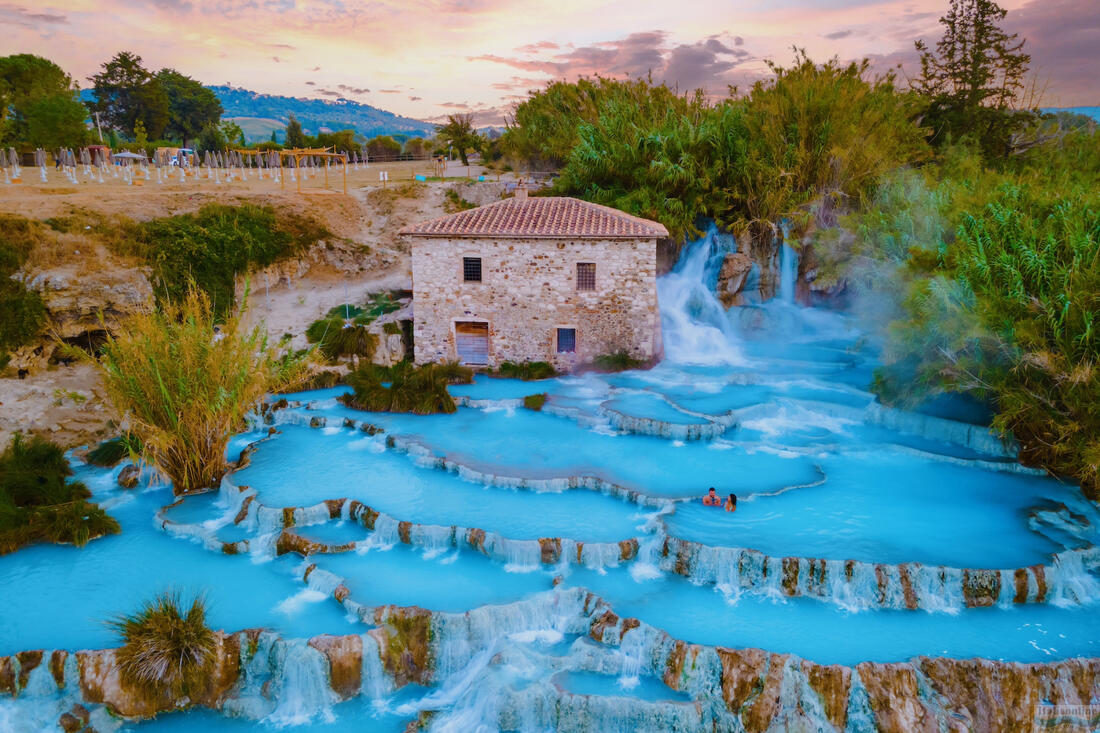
(38, 502)
(527, 371)
(406, 388)
(165, 649)
(391, 328)
(214, 245)
(455, 203)
(535, 401)
(1005, 309)
(617, 362)
(24, 313)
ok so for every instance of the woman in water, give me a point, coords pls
(731, 503)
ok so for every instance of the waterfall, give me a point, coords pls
(695, 325)
(788, 270)
(301, 685)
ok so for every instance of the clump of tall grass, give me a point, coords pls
(406, 388)
(535, 402)
(186, 384)
(110, 452)
(166, 649)
(618, 361)
(527, 370)
(336, 337)
(39, 502)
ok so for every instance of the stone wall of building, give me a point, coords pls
(529, 290)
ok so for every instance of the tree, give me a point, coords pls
(232, 132)
(273, 138)
(383, 147)
(460, 135)
(416, 147)
(126, 92)
(39, 104)
(191, 106)
(295, 138)
(186, 386)
(141, 139)
(974, 78)
(210, 138)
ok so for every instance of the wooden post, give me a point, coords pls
(326, 172)
(298, 171)
(345, 176)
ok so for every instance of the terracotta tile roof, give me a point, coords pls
(540, 218)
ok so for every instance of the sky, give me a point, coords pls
(427, 58)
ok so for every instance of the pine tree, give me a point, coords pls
(295, 138)
(974, 78)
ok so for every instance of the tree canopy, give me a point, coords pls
(39, 104)
(127, 92)
(191, 106)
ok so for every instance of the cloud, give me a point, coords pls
(1063, 38)
(352, 90)
(316, 68)
(538, 46)
(311, 83)
(389, 91)
(177, 6)
(276, 59)
(706, 63)
(282, 45)
(837, 35)
(415, 99)
(20, 16)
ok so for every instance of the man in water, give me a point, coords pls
(712, 498)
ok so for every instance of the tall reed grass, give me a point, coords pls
(186, 383)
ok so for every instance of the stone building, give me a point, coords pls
(535, 279)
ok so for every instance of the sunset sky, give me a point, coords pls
(425, 58)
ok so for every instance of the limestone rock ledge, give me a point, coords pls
(729, 689)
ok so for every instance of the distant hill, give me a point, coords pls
(262, 113)
(258, 129)
(314, 114)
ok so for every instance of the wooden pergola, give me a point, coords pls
(297, 154)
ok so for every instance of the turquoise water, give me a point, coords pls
(820, 471)
(593, 683)
(290, 471)
(828, 634)
(60, 597)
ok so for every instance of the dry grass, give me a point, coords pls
(166, 649)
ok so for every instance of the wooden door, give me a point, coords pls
(472, 343)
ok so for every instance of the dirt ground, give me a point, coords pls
(66, 403)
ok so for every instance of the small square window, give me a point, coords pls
(586, 276)
(471, 269)
(567, 340)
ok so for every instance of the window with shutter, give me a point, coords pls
(567, 340)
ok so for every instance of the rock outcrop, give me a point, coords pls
(731, 278)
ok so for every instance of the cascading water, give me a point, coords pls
(788, 270)
(696, 327)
